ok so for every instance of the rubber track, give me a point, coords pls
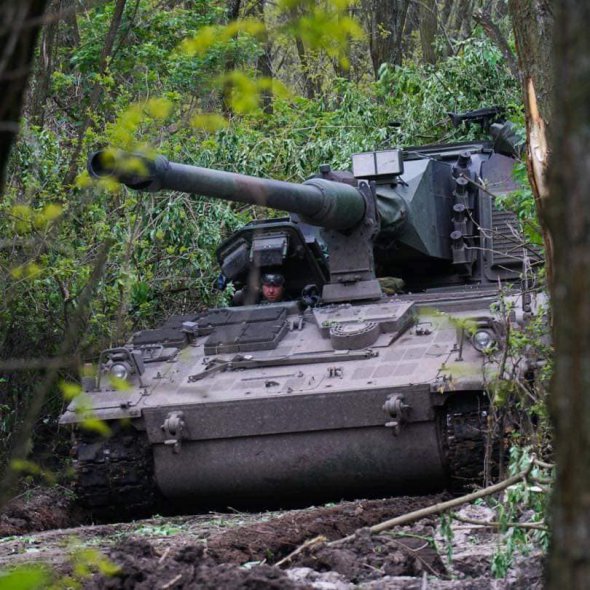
(115, 476)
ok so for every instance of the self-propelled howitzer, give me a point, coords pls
(351, 393)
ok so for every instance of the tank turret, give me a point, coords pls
(346, 213)
(424, 214)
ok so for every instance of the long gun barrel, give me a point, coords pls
(318, 201)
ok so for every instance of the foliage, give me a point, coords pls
(446, 532)
(323, 26)
(83, 563)
(523, 202)
(25, 578)
(523, 502)
(518, 391)
(519, 513)
(420, 96)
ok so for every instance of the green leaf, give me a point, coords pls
(27, 577)
(70, 390)
(93, 424)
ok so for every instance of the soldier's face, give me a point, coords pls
(272, 293)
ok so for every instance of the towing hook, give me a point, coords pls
(396, 408)
(173, 426)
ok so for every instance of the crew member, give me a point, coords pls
(273, 287)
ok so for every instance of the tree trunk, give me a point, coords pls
(466, 26)
(264, 60)
(310, 85)
(533, 24)
(567, 214)
(427, 16)
(457, 19)
(61, 30)
(233, 10)
(45, 65)
(341, 63)
(384, 22)
(20, 25)
(70, 35)
(454, 18)
(96, 91)
(445, 11)
(497, 8)
(264, 68)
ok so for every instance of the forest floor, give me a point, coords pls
(239, 550)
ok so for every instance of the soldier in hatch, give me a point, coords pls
(273, 287)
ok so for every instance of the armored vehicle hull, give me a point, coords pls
(341, 391)
(377, 399)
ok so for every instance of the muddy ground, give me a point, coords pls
(241, 550)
